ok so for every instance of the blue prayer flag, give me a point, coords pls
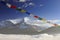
(28, 13)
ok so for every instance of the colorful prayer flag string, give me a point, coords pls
(24, 11)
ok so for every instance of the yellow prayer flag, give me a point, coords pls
(44, 20)
(23, 11)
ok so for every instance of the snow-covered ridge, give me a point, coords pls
(26, 22)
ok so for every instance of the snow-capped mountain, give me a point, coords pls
(25, 23)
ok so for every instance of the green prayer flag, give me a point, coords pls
(18, 9)
(40, 18)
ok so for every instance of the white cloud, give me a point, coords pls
(55, 21)
(19, 0)
(22, 0)
(28, 5)
(44, 36)
(32, 4)
(25, 5)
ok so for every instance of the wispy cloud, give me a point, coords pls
(28, 4)
(22, 0)
(32, 4)
(55, 21)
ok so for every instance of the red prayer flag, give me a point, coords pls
(36, 16)
(13, 6)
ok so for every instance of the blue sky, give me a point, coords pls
(49, 9)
